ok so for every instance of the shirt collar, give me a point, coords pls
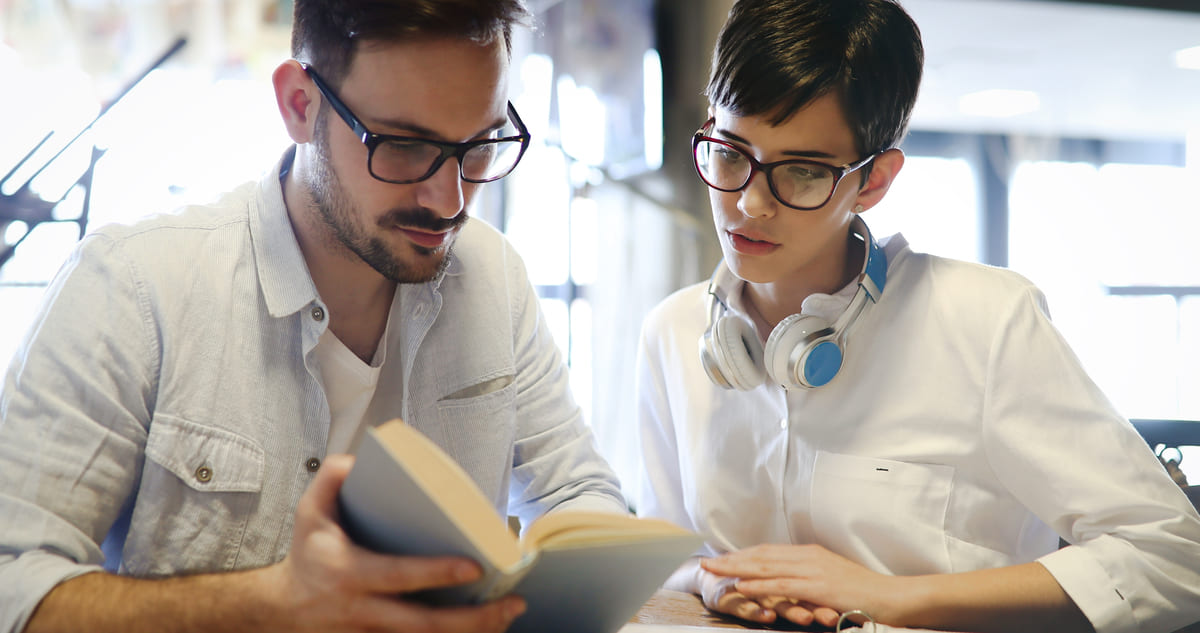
(287, 286)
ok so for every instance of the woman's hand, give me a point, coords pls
(801, 583)
(720, 595)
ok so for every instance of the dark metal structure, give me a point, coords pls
(26, 206)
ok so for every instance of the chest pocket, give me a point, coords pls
(479, 430)
(887, 515)
(198, 488)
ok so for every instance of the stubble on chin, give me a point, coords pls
(342, 233)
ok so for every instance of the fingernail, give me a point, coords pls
(514, 608)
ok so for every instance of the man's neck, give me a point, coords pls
(360, 319)
(357, 297)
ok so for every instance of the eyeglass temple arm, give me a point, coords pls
(342, 110)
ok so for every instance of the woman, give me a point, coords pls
(871, 429)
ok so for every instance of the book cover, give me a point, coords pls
(588, 571)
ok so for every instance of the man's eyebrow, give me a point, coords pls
(786, 152)
(408, 128)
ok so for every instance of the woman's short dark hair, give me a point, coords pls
(325, 33)
(773, 57)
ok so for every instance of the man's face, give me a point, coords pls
(445, 89)
(764, 241)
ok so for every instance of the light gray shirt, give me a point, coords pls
(166, 409)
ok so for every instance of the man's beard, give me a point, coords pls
(339, 216)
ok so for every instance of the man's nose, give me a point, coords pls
(442, 192)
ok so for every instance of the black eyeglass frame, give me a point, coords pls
(839, 171)
(458, 150)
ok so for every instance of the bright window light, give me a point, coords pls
(537, 77)
(582, 117)
(1188, 58)
(15, 231)
(999, 103)
(653, 108)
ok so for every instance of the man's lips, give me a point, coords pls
(428, 239)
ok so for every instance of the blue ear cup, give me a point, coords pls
(731, 354)
(802, 351)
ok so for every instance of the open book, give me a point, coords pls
(586, 572)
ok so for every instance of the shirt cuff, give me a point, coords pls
(592, 502)
(25, 580)
(1089, 585)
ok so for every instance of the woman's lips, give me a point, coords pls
(750, 246)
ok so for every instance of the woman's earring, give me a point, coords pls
(858, 208)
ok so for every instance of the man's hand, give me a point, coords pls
(801, 583)
(328, 583)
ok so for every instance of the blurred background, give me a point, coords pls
(1061, 139)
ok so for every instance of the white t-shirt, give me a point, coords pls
(349, 386)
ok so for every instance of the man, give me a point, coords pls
(175, 403)
(871, 429)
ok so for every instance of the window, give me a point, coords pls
(934, 205)
(1112, 248)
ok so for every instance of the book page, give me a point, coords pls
(571, 527)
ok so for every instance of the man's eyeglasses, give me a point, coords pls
(405, 159)
(797, 183)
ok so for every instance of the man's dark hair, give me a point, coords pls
(773, 57)
(326, 33)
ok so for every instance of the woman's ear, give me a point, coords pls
(298, 99)
(884, 169)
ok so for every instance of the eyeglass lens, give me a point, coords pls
(413, 159)
(795, 183)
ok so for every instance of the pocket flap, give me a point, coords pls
(206, 458)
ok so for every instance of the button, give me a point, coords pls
(204, 474)
(318, 313)
(783, 423)
(312, 464)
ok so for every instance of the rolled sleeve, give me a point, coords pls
(26, 579)
(70, 431)
(1090, 587)
(1064, 451)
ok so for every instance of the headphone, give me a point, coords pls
(803, 351)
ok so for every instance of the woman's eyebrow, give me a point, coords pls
(791, 152)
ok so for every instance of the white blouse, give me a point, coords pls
(961, 433)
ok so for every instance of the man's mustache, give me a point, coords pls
(422, 218)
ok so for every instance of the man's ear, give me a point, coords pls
(884, 169)
(298, 100)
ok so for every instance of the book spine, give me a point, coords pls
(505, 581)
